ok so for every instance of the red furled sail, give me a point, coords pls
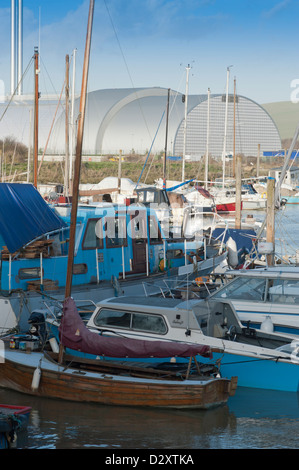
(75, 335)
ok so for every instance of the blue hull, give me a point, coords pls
(259, 373)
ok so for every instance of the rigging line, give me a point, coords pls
(46, 146)
(14, 93)
(48, 75)
(126, 65)
(150, 150)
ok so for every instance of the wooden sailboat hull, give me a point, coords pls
(16, 373)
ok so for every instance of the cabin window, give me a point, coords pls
(150, 196)
(174, 254)
(80, 268)
(284, 291)
(137, 228)
(134, 321)
(111, 318)
(115, 232)
(242, 288)
(29, 273)
(154, 231)
(150, 323)
(93, 238)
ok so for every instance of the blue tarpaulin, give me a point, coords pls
(24, 215)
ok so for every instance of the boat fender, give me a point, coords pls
(232, 252)
(267, 325)
(54, 345)
(36, 379)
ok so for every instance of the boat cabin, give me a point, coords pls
(111, 240)
(263, 285)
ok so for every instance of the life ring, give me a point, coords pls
(264, 195)
(161, 265)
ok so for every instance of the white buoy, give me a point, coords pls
(267, 325)
(36, 379)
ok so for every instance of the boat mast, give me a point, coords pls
(225, 127)
(234, 150)
(208, 141)
(36, 98)
(185, 122)
(67, 140)
(166, 136)
(72, 122)
(77, 166)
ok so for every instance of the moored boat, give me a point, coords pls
(112, 385)
(13, 419)
(260, 359)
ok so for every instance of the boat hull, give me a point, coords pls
(13, 420)
(107, 389)
(260, 373)
(226, 207)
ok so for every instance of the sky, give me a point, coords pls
(147, 43)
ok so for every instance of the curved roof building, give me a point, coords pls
(135, 120)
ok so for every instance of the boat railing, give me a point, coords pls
(85, 308)
(170, 287)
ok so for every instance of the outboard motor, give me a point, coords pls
(38, 325)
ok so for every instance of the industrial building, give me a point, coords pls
(134, 121)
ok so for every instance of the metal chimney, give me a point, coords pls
(13, 47)
(16, 46)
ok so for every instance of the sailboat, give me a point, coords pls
(39, 374)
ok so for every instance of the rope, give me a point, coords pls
(150, 150)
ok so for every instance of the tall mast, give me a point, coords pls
(67, 143)
(234, 151)
(185, 122)
(72, 121)
(36, 98)
(225, 127)
(166, 136)
(77, 167)
(208, 141)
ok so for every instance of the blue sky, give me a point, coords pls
(145, 43)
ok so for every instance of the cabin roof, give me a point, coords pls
(155, 302)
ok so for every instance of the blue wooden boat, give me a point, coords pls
(117, 249)
(13, 420)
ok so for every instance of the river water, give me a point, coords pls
(252, 419)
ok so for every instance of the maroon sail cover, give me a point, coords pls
(75, 335)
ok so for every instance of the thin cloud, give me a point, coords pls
(276, 9)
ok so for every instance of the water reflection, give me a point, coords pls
(252, 419)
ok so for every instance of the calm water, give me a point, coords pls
(252, 419)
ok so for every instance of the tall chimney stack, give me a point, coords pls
(16, 66)
(13, 48)
(20, 48)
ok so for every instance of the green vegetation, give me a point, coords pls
(14, 158)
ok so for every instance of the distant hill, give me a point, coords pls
(285, 114)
